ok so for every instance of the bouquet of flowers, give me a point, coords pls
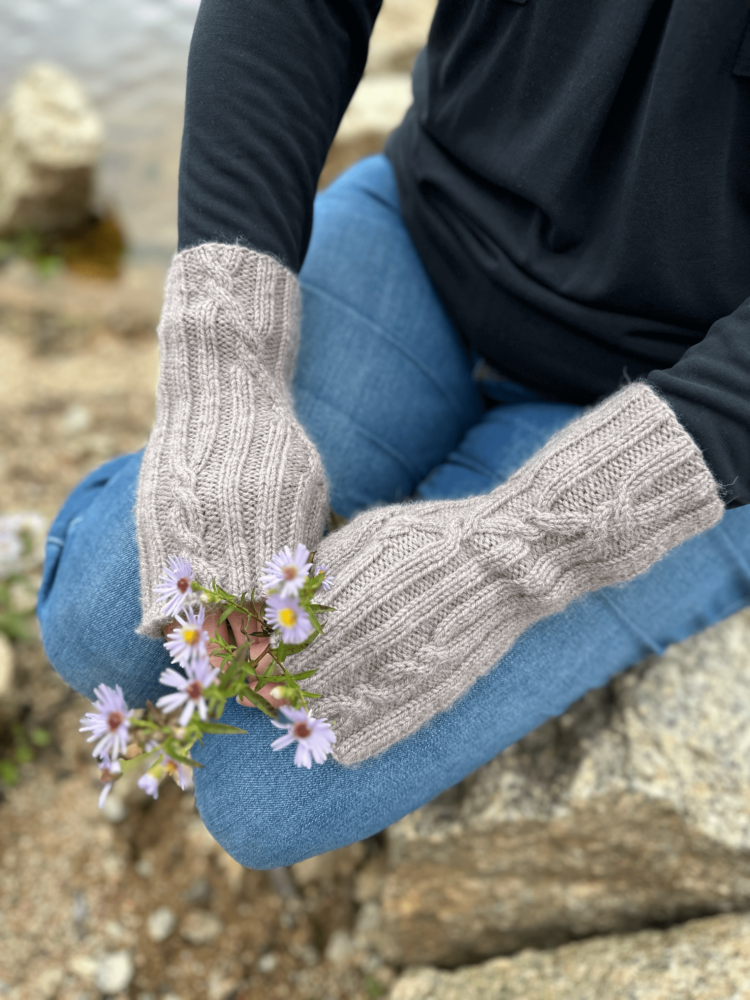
(246, 659)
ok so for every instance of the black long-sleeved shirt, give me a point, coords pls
(575, 175)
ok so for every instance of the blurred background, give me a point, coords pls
(138, 901)
(579, 856)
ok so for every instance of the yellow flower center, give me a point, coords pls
(288, 617)
(191, 635)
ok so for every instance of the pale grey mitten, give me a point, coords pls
(429, 596)
(228, 476)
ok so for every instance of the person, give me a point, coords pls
(522, 375)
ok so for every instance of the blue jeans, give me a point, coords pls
(385, 389)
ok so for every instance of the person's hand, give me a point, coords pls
(257, 646)
(228, 476)
(429, 596)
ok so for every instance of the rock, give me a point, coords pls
(630, 810)
(114, 809)
(201, 927)
(114, 972)
(160, 924)
(6, 665)
(340, 947)
(84, 967)
(22, 541)
(702, 960)
(50, 140)
(199, 891)
(267, 963)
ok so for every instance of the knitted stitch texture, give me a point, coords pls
(228, 476)
(430, 595)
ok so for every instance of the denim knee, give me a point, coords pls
(89, 605)
(263, 810)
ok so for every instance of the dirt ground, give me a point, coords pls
(78, 886)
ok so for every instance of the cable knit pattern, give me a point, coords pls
(228, 476)
(430, 595)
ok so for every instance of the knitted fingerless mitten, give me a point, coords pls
(228, 476)
(430, 595)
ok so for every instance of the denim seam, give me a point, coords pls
(625, 618)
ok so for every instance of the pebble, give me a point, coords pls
(267, 962)
(114, 809)
(144, 868)
(160, 924)
(114, 972)
(83, 966)
(201, 927)
(75, 419)
(339, 948)
(198, 892)
(6, 665)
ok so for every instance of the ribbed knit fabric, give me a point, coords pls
(228, 476)
(430, 595)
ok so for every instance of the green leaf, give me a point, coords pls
(221, 727)
(225, 614)
(303, 675)
(181, 759)
(40, 737)
(8, 772)
(320, 608)
(140, 763)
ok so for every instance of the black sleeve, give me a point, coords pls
(709, 389)
(268, 82)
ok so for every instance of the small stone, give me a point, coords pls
(114, 972)
(75, 420)
(114, 809)
(267, 963)
(198, 892)
(144, 868)
(160, 924)
(340, 947)
(201, 927)
(6, 665)
(83, 966)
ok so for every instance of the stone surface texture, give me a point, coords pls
(702, 960)
(50, 141)
(632, 809)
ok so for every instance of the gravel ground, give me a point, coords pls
(82, 892)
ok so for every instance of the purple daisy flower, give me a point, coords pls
(174, 585)
(286, 614)
(188, 642)
(200, 675)
(314, 736)
(150, 784)
(109, 724)
(181, 774)
(286, 571)
(110, 771)
(328, 579)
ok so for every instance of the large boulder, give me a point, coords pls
(702, 960)
(50, 141)
(630, 810)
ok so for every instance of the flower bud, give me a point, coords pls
(178, 732)
(278, 692)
